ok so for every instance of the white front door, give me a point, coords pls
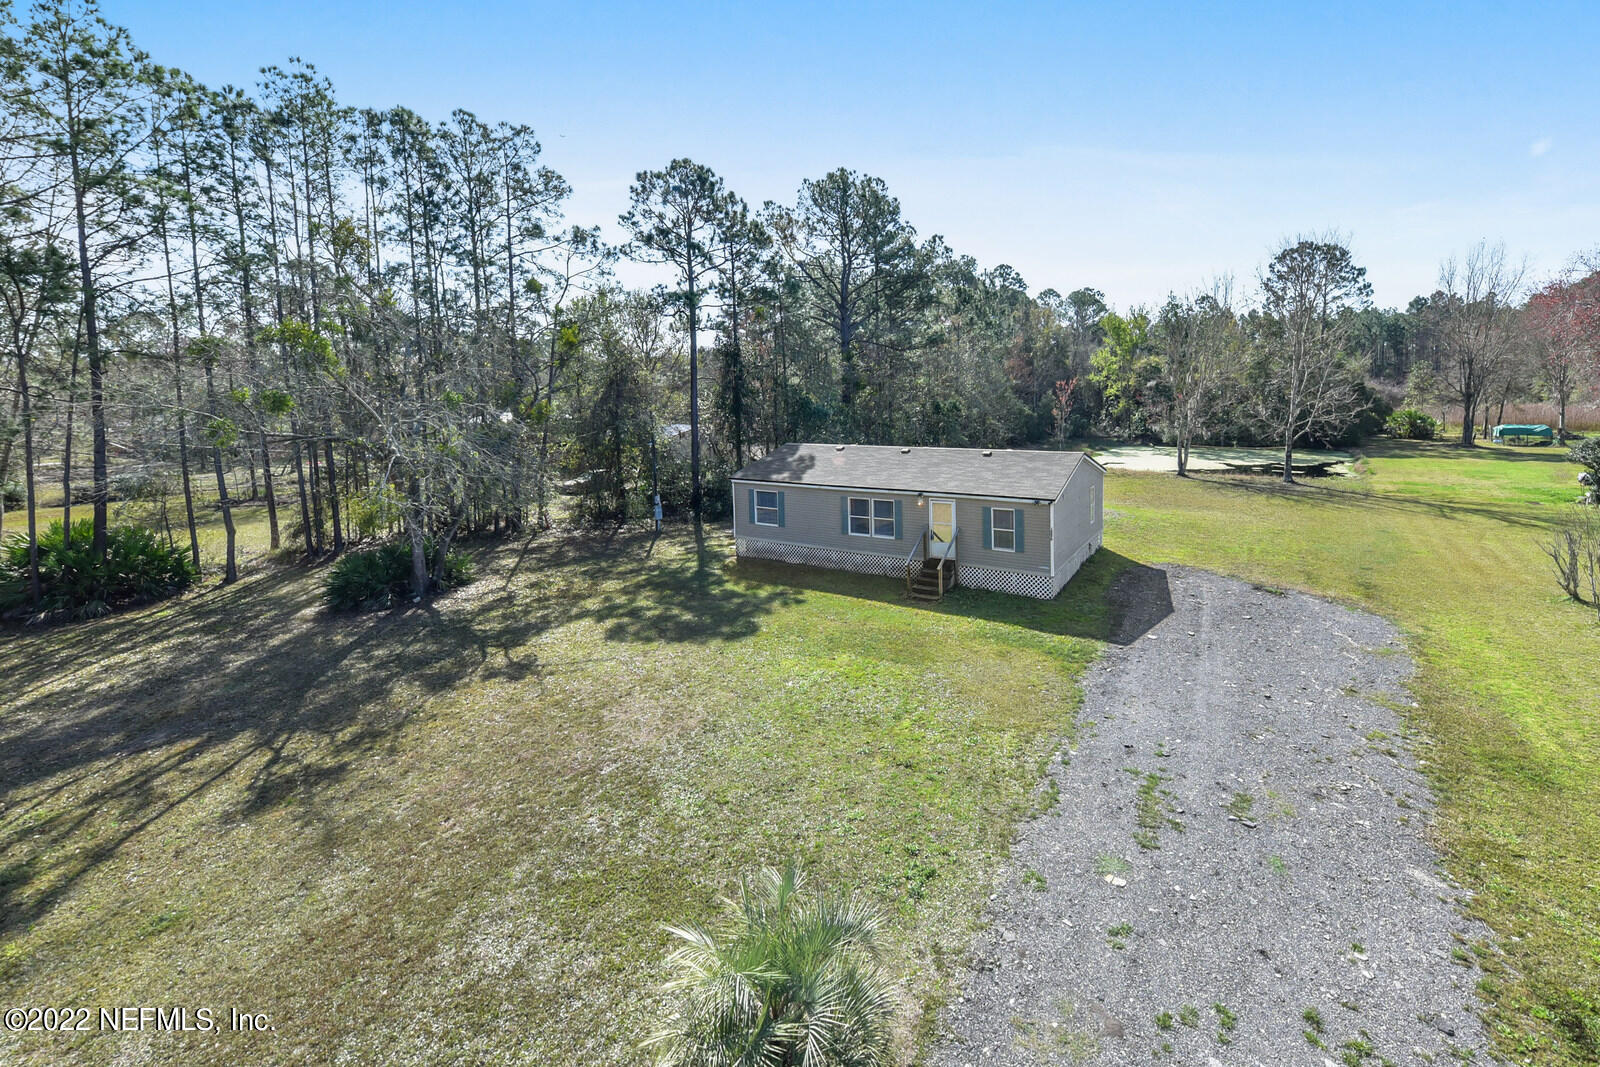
(941, 521)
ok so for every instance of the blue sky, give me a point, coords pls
(1135, 147)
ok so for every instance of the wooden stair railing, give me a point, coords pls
(937, 573)
(919, 550)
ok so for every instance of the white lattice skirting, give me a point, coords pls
(837, 559)
(1001, 581)
(1036, 585)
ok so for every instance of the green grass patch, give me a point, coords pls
(1227, 1022)
(1153, 810)
(1443, 540)
(1106, 863)
(489, 804)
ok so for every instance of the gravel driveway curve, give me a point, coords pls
(1236, 871)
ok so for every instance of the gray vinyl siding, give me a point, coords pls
(1035, 555)
(1077, 518)
(813, 516)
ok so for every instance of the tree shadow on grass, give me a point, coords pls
(1380, 448)
(1532, 516)
(1110, 598)
(689, 596)
(199, 713)
(252, 685)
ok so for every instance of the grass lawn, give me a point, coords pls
(1443, 540)
(450, 834)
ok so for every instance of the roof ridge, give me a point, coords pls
(1011, 473)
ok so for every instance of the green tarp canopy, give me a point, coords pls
(1512, 430)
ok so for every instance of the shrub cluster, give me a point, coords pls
(138, 567)
(379, 577)
(1412, 425)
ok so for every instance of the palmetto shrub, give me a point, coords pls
(138, 566)
(379, 577)
(786, 979)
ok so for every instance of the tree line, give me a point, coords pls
(368, 321)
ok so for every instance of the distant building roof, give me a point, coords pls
(998, 472)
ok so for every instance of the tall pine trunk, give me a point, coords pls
(25, 406)
(514, 496)
(267, 487)
(333, 495)
(230, 572)
(231, 568)
(97, 370)
(35, 591)
(250, 341)
(283, 357)
(694, 400)
(177, 389)
(66, 447)
(5, 451)
(544, 429)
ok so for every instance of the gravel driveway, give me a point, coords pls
(1236, 871)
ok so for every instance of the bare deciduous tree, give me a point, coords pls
(1197, 339)
(1308, 290)
(1480, 325)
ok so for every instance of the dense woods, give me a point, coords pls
(372, 322)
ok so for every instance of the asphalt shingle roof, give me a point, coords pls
(998, 472)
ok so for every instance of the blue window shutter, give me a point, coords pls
(844, 515)
(988, 528)
(780, 509)
(1016, 518)
(898, 533)
(752, 507)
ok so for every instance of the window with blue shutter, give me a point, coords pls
(858, 522)
(768, 507)
(988, 520)
(1004, 534)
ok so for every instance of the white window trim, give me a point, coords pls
(760, 507)
(994, 530)
(872, 518)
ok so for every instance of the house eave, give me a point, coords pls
(1039, 500)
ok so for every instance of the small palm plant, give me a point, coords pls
(786, 981)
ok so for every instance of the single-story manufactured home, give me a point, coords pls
(1011, 520)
